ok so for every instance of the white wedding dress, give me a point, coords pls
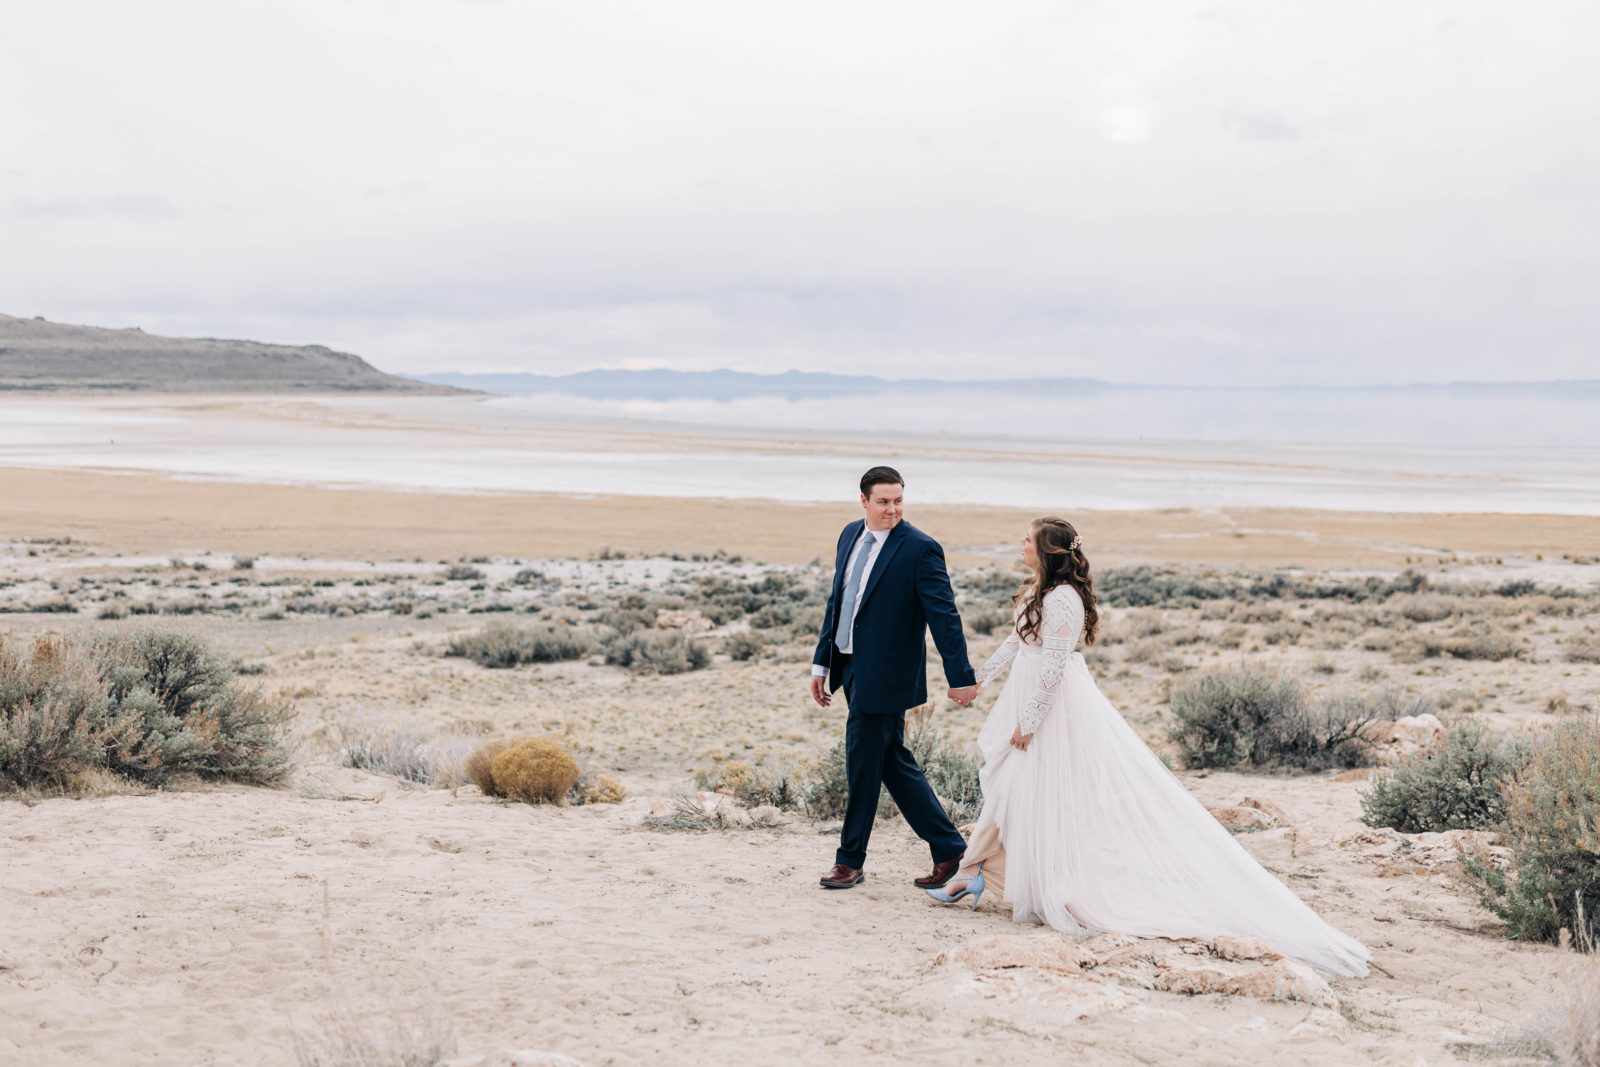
(1099, 835)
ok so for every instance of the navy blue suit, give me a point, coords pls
(906, 595)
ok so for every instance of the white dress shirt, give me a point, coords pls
(878, 538)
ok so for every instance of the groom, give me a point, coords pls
(889, 588)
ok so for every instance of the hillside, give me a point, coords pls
(37, 355)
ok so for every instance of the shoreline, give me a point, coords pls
(146, 513)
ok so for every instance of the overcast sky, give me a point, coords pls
(1139, 190)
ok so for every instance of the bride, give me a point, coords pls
(1082, 826)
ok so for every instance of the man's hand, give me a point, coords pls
(1020, 740)
(819, 691)
(964, 696)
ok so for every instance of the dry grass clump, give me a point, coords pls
(1454, 785)
(1552, 825)
(143, 706)
(406, 751)
(540, 771)
(1569, 1025)
(406, 1035)
(1250, 718)
(536, 770)
(479, 767)
(1582, 647)
(501, 644)
(1471, 645)
(1424, 607)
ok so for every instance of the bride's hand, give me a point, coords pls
(1020, 740)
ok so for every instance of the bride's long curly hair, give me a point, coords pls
(1060, 561)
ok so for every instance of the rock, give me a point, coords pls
(1359, 774)
(1282, 979)
(1267, 807)
(1404, 737)
(689, 621)
(1401, 854)
(1323, 1022)
(1244, 947)
(1049, 965)
(1421, 730)
(1239, 819)
(1050, 952)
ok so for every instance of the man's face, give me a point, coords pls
(884, 505)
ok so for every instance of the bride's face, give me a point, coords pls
(1030, 555)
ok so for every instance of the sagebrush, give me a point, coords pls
(502, 644)
(144, 706)
(1453, 785)
(1250, 718)
(1552, 826)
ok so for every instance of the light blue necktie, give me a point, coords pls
(847, 609)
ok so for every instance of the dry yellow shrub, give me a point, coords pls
(479, 767)
(603, 789)
(534, 769)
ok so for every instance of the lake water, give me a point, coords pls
(1135, 449)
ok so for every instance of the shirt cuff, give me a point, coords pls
(818, 671)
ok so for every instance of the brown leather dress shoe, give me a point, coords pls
(842, 877)
(942, 873)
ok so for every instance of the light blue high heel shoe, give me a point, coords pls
(973, 889)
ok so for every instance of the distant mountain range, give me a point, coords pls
(36, 355)
(797, 385)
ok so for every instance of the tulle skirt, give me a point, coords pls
(1100, 836)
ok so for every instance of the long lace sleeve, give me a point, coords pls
(1001, 659)
(1058, 632)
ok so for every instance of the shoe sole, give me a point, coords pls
(932, 885)
(844, 885)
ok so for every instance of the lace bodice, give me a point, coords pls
(1060, 624)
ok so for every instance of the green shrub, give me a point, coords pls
(144, 706)
(657, 652)
(461, 572)
(502, 644)
(1455, 785)
(1249, 718)
(745, 646)
(1552, 826)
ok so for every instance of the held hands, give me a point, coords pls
(964, 696)
(1019, 740)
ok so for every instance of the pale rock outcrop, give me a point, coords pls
(686, 621)
(1403, 737)
(1082, 974)
(1398, 854)
(1249, 815)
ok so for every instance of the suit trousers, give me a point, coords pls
(875, 754)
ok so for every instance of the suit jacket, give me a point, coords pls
(906, 595)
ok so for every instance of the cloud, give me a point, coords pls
(1160, 190)
(1260, 126)
(124, 205)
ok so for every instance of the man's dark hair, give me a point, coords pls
(880, 476)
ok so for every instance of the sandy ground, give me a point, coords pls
(144, 513)
(199, 927)
(203, 925)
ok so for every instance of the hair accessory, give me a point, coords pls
(1077, 543)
